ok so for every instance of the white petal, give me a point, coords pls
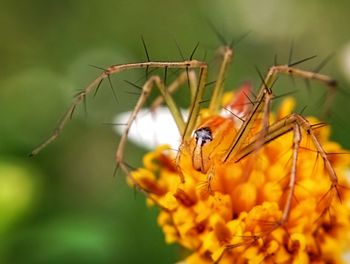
(151, 129)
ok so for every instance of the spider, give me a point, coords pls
(205, 137)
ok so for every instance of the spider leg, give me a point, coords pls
(293, 122)
(146, 90)
(183, 128)
(293, 173)
(264, 97)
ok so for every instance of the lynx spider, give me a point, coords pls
(195, 72)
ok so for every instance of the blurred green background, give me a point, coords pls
(64, 206)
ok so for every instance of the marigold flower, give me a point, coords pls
(237, 219)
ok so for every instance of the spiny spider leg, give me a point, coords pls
(237, 152)
(282, 127)
(185, 129)
(294, 122)
(146, 90)
(265, 95)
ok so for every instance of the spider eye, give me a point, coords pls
(203, 135)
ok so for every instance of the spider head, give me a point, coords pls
(203, 136)
(210, 141)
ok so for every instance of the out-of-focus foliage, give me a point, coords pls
(64, 206)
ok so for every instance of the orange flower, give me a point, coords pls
(229, 212)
